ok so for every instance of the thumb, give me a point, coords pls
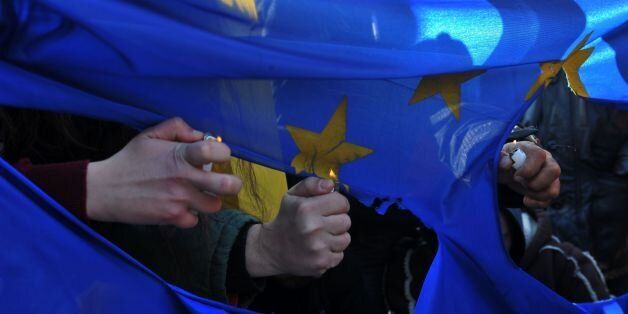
(505, 163)
(504, 172)
(312, 186)
(174, 129)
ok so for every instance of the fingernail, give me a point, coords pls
(198, 133)
(325, 184)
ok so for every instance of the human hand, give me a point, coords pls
(308, 236)
(538, 178)
(157, 178)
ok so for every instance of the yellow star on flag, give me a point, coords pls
(448, 85)
(247, 7)
(571, 65)
(328, 150)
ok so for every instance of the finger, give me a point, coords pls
(339, 243)
(215, 183)
(531, 203)
(509, 147)
(337, 224)
(203, 152)
(312, 186)
(335, 259)
(174, 129)
(535, 158)
(505, 171)
(327, 204)
(551, 192)
(505, 163)
(186, 220)
(203, 202)
(546, 177)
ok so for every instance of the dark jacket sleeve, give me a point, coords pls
(570, 272)
(561, 266)
(64, 182)
(196, 259)
(239, 282)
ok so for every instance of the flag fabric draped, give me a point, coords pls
(52, 263)
(406, 101)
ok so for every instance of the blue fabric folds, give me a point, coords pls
(418, 97)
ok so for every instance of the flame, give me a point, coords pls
(332, 174)
(515, 142)
(219, 139)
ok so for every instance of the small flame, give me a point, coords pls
(219, 139)
(332, 174)
(515, 142)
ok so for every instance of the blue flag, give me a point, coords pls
(405, 101)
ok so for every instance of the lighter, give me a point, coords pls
(209, 137)
(517, 156)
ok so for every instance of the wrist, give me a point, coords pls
(93, 205)
(258, 255)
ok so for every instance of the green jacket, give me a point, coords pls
(195, 259)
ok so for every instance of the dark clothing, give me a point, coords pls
(49, 137)
(198, 259)
(339, 290)
(376, 241)
(55, 180)
(590, 143)
(560, 266)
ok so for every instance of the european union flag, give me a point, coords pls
(407, 101)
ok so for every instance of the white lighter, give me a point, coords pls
(209, 137)
(517, 156)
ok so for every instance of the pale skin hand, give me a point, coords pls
(157, 178)
(538, 178)
(308, 236)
